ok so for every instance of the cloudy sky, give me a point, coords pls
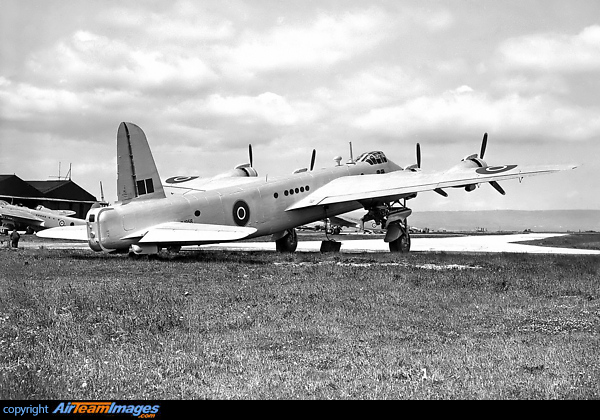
(206, 78)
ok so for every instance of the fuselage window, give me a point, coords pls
(92, 218)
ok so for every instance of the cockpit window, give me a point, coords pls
(372, 158)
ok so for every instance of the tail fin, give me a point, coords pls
(137, 175)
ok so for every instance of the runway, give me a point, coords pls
(478, 243)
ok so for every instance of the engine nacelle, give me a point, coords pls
(240, 171)
(469, 162)
(245, 170)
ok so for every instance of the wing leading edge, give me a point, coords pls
(397, 184)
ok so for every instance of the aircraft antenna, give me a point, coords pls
(351, 158)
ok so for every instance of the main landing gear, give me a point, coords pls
(288, 242)
(395, 220)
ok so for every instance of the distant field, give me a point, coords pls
(254, 325)
(573, 240)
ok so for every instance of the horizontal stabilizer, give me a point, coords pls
(178, 232)
(74, 233)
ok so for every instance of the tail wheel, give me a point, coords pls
(402, 244)
(288, 243)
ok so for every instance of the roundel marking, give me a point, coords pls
(241, 213)
(495, 169)
(61, 222)
(179, 179)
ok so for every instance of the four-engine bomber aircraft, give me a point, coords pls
(238, 205)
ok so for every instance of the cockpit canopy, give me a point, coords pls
(372, 158)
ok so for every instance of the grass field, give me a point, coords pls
(213, 324)
(574, 240)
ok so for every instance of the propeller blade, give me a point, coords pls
(418, 155)
(441, 192)
(312, 159)
(250, 154)
(483, 146)
(497, 187)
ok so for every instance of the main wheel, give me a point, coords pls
(402, 244)
(288, 243)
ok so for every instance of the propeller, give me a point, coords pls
(441, 192)
(497, 187)
(414, 167)
(312, 159)
(483, 146)
(494, 184)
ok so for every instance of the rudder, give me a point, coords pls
(137, 176)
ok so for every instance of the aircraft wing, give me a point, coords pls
(20, 216)
(343, 220)
(178, 232)
(65, 212)
(74, 233)
(172, 232)
(396, 185)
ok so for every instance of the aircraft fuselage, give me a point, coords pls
(260, 204)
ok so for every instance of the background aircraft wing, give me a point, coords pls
(20, 216)
(396, 185)
(65, 212)
(178, 232)
(344, 220)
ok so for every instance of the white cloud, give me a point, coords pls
(327, 40)
(267, 107)
(554, 52)
(464, 110)
(89, 61)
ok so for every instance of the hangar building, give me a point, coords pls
(55, 195)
